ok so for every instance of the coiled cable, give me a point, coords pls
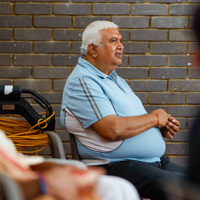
(24, 136)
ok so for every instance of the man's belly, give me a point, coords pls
(147, 147)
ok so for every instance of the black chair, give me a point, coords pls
(74, 150)
(11, 102)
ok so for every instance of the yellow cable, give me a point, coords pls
(23, 135)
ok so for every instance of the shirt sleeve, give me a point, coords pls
(88, 102)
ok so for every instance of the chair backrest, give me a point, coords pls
(74, 150)
(9, 189)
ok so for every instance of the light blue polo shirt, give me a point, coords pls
(92, 95)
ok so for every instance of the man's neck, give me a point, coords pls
(98, 65)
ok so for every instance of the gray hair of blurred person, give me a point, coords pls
(92, 34)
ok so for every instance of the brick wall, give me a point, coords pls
(40, 40)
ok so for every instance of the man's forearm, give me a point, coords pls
(119, 128)
(132, 126)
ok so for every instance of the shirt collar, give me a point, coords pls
(84, 63)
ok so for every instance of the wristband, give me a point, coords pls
(158, 119)
(43, 184)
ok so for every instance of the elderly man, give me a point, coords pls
(109, 121)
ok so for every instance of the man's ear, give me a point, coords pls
(92, 50)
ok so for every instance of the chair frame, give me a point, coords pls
(9, 189)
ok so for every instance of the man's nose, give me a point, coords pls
(120, 46)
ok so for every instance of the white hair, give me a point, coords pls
(92, 35)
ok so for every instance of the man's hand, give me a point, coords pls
(171, 129)
(163, 117)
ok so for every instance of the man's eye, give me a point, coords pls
(113, 40)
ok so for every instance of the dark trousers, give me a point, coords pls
(146, 177)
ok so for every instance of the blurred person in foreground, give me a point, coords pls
(194, 146)
(56, 179)
(188, 187)
(111, 125)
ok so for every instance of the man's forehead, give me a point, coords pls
(118, 34)
(111, 32)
